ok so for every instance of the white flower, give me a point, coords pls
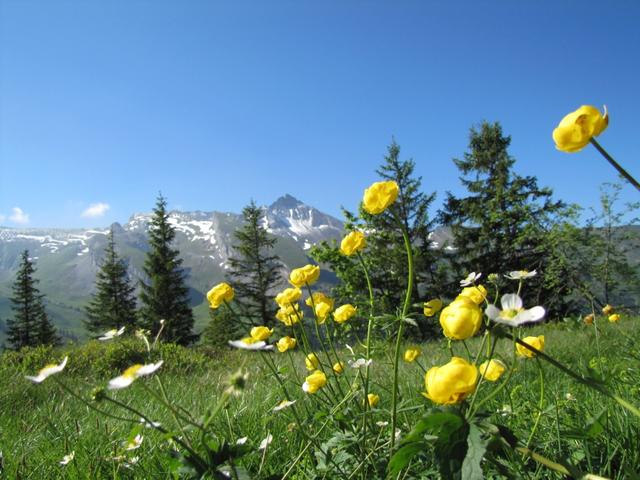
(382, 424)
(242, 441)
(521, 274)
(131, 373)
(131, 463)
(151, 424)
(111, 334)
(471, 279)
(133, 444)
(284, 404)
(569, 397)
(47, 371)
(265, 443)
(259, 345)
(512, 313)
(505, 410)
(361, 362)
(67, 458)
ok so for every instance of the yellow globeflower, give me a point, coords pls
(379, 196)
(589, 319)
(344, 313)
(461, 319)
(535, 342)
(288, 296)
(306, 275)
(338, 367)
(223, 292)
(577, 128)
(411, 353)
(290, 315)
(492, 370)
(319, 297)
(476, 293)
(373, 399)
(322, 311)
(614, 318)
(352, 243)
(451, 383)
(260, 333)
(607, 309)
(314, 382)
(432, 307)
(286, 343)
(312, 361)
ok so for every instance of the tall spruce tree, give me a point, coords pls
(30, 325)
(113, 305)
(503, 223)
(254, 269)
(164, 295)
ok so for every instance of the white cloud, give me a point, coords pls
(18, 216)
(2, 218)
(96, 210)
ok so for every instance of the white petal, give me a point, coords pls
(120, 382)
(149, 369)
(47, 371)
(260, 345)
(267, 440)
(241, 441)
(492, 312)
(511, 301)
(283, 405)
(305, 386)
(532, 315)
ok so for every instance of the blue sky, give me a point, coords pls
(216, 103)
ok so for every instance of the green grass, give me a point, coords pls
(39, 424)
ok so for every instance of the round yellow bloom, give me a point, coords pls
(322, 311)
(577, 128)
(492, 370)
(477, 293)
(432, 307)
(461, 319)
(312, 361)
(535, 342)
(286, 343)
(288, 296)
(352, 243)
(379, 196)
(344, 313)
(411, 353)
(319, 297)
(451, 383)
(223, 292)
(307, 275)
(607, 309)
(614, 318)
(338, 367)
(314, 382)
(589, 319)
(260, 333)
(373, 399)
(290, 315)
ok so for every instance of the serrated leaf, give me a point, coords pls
(476, 448)
(403, 456)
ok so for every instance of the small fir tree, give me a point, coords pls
(113, 305)
(222, 327)
(30, 325)
(254, 270)
(164, 295)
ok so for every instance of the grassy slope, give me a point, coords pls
(40, 424)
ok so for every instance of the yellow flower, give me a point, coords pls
(450, 383)
(577, 128)
(338, 367)
(306, 275)
(319, 297)
(314, 382)
(132, 373)
(261, 333)
(322, 311)
(589, 319)
(312, 361)
(288, 296)
(461, 319)
(492, 370)
(379, 196)
(614, 318)
(344, 313)
(48, 370)
(286, 343)
(352, 243)
(411, 353)
(535, 342)
(607, 309)
(476, 293)
(290, 315)
(432, 307)
(219, 294)
(373, 399)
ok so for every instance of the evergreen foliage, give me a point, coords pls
(113, 305)
(222, 327)
(164, 295)
(30, 325)
(254, 270)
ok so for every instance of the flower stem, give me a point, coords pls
(615, 164)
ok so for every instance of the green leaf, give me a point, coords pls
(476, 448)
(403, 456)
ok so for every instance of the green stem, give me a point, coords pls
(540, 403)
(615, 164)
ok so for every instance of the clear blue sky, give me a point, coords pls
(215, 103)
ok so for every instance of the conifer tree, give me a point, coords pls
(30, 325)
(164, 294)
(113, 305)
(254, 270)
